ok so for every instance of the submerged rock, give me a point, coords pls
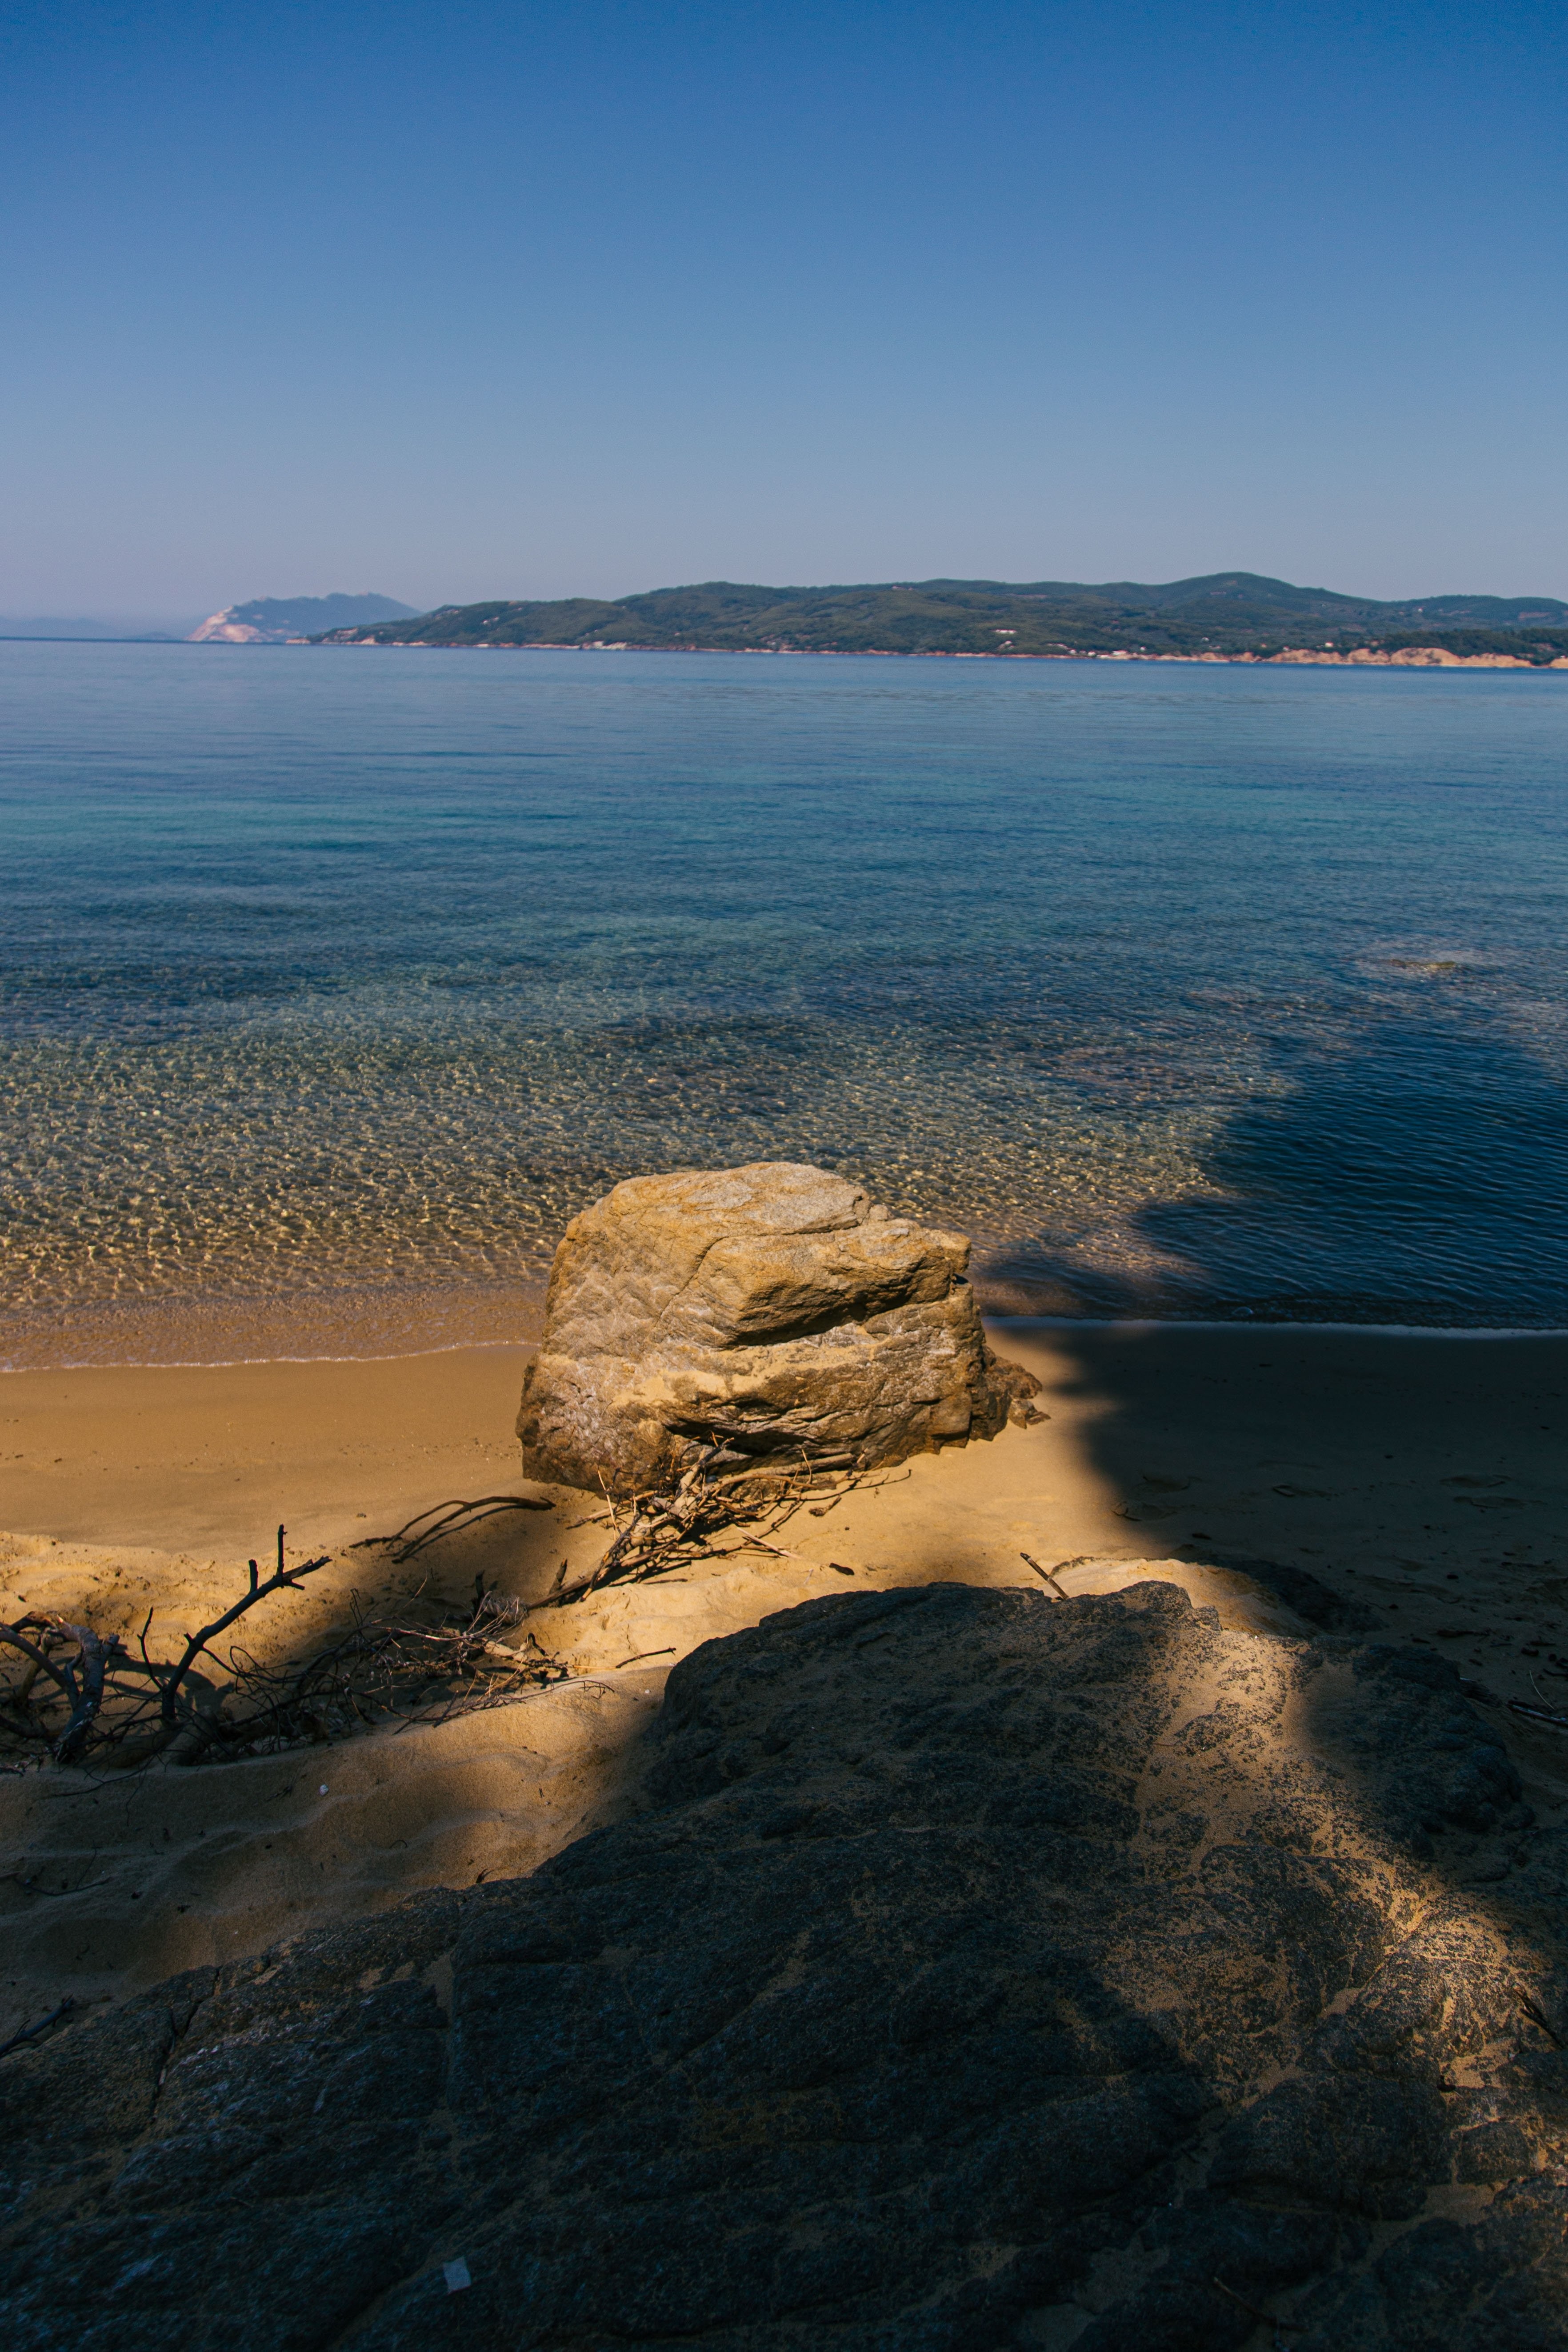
(984, 1971)
(772, 1307)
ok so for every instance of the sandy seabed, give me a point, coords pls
(1420, 1475)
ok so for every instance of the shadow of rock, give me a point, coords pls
(114, 1879)
(984, 1971)
(1417, 1179)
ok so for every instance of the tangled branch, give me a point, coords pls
(84, 1698)
(681, 1522)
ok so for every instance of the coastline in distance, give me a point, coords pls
(1223, 616)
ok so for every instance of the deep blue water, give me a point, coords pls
(1187, 991)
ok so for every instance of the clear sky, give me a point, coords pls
(531, 301)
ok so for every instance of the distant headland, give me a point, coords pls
(1223, 616)
(278, 619)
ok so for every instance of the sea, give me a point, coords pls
(335, 981)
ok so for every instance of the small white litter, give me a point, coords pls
(456, 2276)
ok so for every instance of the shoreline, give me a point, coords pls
(1420, 657)
(1243, 1323)
(1014, 1325)
(1415, 657)
(385, 1327)
(354, 1325)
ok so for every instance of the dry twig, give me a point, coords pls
(1539, 1714)
(681, 1522)
(447, 1519)
(1046, 1576)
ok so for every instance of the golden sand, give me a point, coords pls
(1420, 1475)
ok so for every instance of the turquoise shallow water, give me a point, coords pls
(333, 981)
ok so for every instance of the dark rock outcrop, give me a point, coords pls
(984, 1972)
(773, 1308)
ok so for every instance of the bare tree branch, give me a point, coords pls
(282, 1579)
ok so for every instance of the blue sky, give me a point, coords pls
(538, 301)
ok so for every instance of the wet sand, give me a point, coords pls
(1420, 1476)
(208, 1458)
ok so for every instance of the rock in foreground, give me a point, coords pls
(994, 1972)
(772, 1307)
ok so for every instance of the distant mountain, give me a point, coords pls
(1224, 614)
(273, 620)
(53, 624)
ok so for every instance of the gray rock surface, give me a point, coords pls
(772, 1305)
(984, 1972)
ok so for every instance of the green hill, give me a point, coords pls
(1224, 612)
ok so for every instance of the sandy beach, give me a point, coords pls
(1418, 1477)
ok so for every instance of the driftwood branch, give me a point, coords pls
(281, 1580)
(448, 1518)
(108, 1695)
(83, 1698)
(95, 1659)
(416, 1660)
(1539, 1714)
(678, 1523)
(41, 1664)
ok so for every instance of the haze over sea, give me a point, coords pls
(334, 981)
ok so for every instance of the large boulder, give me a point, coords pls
(979, 1972)
(773, 1308)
